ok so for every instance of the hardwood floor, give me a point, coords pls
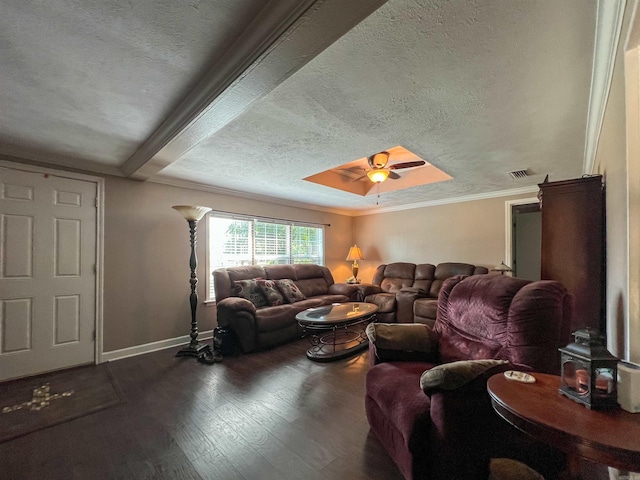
(269, 415)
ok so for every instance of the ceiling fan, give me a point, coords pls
(380, 171)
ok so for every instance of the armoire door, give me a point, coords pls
(573, 229)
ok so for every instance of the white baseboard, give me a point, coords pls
(152, 347)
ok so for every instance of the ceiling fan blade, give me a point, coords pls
(393, 176)
(398, 166)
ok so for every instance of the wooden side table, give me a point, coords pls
(609, 437)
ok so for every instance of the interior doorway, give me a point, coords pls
(526, 224)
(523, 231)
(49, 270)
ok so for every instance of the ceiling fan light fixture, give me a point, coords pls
(378, 175)
(378, 160)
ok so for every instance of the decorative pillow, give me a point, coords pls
(409, 337)
(290, 290)
(271, 292)
(450, 376)
(250, 290)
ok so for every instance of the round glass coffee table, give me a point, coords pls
(337, 330)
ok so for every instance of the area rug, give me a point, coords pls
(34, 403)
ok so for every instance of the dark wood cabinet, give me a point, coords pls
(572, 245)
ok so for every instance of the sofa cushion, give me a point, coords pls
(425, 307)
(275, 318)
(409, 337)
(394, 276)
(407, 409)
(424, 276)
(278, 271)
(244, 272)
(386, 302)
(313, 279)
(446, 270)
(312, 287)
(473, 317)
(250, 290)
(312, 302)
(328, 299)
(290, 290)
(450, 376)
(271, 291)
(400, 341)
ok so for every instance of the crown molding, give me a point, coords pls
(350, 212)
(246, 195)
(446, 201)
(57, 162)
(609, 17)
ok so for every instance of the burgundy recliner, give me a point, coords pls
(453, 433)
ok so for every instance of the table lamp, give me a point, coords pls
(502, 268)
(354, 255)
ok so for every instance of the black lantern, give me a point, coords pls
(588, 371)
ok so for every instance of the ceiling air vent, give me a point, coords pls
(519, 174)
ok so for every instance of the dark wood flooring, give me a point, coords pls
(269, 415)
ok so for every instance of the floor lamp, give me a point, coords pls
(201, 351)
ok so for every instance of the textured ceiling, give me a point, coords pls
(91, 80)
(476, 88)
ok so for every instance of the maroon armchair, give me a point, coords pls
(426, 397)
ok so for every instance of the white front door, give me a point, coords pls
(47, 272)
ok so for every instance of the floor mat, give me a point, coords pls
(34, 403)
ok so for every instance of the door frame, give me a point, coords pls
(98, 352)
(508, 216)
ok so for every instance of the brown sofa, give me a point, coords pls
(258, 328)
(408, 292)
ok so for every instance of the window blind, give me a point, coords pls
(237, 240)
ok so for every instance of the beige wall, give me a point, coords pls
(146, 258)
(610, 162)
(623, 325)
(471, 232)
(632, 85)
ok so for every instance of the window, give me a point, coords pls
(239, 240)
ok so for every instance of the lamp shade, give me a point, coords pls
(502, 268)
(191, 212)
(355, 253)
(378, 175)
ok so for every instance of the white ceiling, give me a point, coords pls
(251, 96)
